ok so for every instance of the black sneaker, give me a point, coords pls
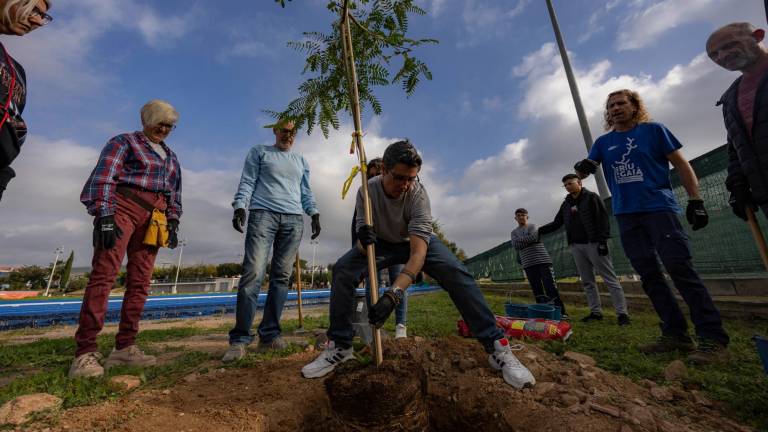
(592, 317)
(708, 352)
(665, 344)
(623, 319)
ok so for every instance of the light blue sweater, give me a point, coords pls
(275, 180)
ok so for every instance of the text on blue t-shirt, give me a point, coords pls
(637, 169)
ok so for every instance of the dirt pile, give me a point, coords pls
(433, 385)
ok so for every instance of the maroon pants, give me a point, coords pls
(133, 220)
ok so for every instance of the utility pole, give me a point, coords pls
(58, 251)
(602, 187)
(178, 266)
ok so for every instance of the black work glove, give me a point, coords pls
(383, 308)
(238, 220)
(315, 225)
(105, 232)
(366, 235)
(602, 248)
(585, 167)
(696, 213)
(739, 200)
(173, 233)
(6, 174)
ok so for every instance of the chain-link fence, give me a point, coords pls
(725, 248)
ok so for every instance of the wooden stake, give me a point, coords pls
(354, 99)
(757, 233)
(298, 289)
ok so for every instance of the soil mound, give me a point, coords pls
(428, 385)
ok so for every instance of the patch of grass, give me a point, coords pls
(52, 358)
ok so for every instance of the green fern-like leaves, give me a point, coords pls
(383, 56)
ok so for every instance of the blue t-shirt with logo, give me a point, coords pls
(637, 169)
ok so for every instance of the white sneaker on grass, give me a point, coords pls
(401, 331)
(514, 372)
(326, 362)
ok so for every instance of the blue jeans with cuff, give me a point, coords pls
(440, 263)
(266, 230)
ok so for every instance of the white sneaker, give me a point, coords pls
(514, 372)
(326, 362)
(401, 331)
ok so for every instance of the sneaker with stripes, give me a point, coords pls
(514, 372)
(326, 362)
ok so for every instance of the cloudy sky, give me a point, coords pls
(496, 126)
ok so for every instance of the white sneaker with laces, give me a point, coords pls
(401, 331)
(326, 362)
(514, 372)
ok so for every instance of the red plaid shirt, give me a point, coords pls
(128, 159)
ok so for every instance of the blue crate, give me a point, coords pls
(516, 310)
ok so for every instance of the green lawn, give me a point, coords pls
(741, 383)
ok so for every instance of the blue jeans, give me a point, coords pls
(646, 237)
(440, 263)
(281, 232)
(401, 310)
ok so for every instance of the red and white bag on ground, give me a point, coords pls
(533, 328)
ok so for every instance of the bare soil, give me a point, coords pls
(428, 385)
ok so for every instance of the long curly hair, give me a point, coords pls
(641, 113)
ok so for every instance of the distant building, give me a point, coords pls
(5, 271)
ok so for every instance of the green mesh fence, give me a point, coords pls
(725, 248)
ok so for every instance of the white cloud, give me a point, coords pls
(493, 103)
(476, 210)
(646, 24)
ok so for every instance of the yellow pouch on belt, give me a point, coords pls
(157, 231)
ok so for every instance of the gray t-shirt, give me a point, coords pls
(396, 219)
(532, 251)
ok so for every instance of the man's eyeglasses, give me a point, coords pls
(286, 131)
(404, 178)
(166, 126)
(44, 17)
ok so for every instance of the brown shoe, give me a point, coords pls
(275, 344)
(708, 352)
(129, 356)
(86, 366)
(665, 344)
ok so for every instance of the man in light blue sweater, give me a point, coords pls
(274, 187)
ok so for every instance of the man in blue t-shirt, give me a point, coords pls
(635, 155)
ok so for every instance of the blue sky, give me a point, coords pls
(496, 125)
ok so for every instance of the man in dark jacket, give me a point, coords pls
(587, 229)
(737, 47)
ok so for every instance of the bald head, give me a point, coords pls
(736, 46)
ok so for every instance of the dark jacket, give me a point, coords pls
(592, 213)
(747, 159)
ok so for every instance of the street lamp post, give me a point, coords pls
(602, 187)
(178, 266)
(59, 250)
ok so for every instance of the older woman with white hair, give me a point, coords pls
(17, 18)
(134, 195)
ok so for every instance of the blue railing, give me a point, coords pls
(42, 313)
